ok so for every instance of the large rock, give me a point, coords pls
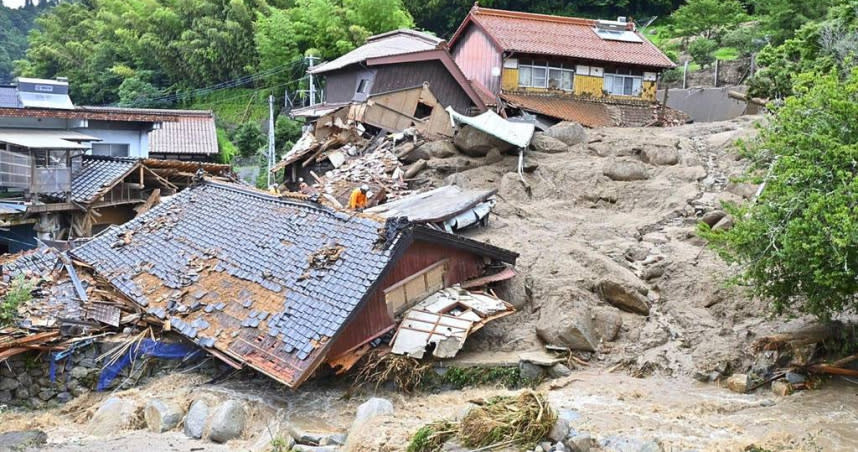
(570, 133)
(440, 149)
(550, 145)
(571, 328)
(408, 153)
(660, 156)
(161, 415)
(622, 296)
(372, 408)
(112, 416)
(738, 383)
(724, 224)
(713, 217)
(625, 170)
(22, 440)
(606, 323)
(781, 388)
(559, 431)
(195, 421)
(450, 165)
(475, 143)
(227, 422)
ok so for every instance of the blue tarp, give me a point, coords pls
(147, 347)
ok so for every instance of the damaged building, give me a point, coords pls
(283, 285)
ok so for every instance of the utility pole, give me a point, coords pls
(311, 60)
(270, 137)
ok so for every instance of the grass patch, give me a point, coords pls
(235, 105)
(727, 54)
(19, 292)
(459, 377)
(431, 437)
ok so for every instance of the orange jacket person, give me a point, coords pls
(357, 200)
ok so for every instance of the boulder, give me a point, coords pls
(713, 217)
(622, 296)
(113, 415)
(571, 328)
(568, 132)
(493, 156)
(8, 384)
(661, 156)
(781, 388)
(475, 143)
(625, 170)
(738, 383)
(742, 189)
(440, 149)
(559, 370)
(305, 448)
(560, 430)
(530, 371)
(545, 143)
(606, 323)
(408, 153)
(795, 378)
(227, 422)
(724, 224)
(450, 165)
(161, 415)
(22, 440)
(195, 421)
(372, 408)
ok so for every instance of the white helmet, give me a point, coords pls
(364, 188)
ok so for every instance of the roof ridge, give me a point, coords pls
(534, 16)
(423, 36)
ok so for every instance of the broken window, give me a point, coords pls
(362, 85)
(422, 111)
(415, 288)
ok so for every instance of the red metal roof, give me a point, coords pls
(590, 114)
(571, 37)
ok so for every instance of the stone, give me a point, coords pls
(560, 430)
(713, 217)
(625, 170)
(439, 149)
(8, 384)
(744, 190)
(493, 156)
(450, 165)
(337, 439)
(547, 144)
(371, 409)
(64, 397)
(161, 415)
(475, 143)
(738, 383)
(579, 442)
(568, 132)
(622, 296)
(659, 155)
(539, 448)
(654, 271)
(724, 224)
(303, 436)
(795, 378)
(79, 372)
(545, 445)
(36, 403)
(606, 323)
(195, 420)
(781, 388)
(5, 396)
(25, 379)
(22, 393)
(559, 447)
(529, 371)
(415, 154)
(305, 448)
(559, 370)
(22, 440)
(571, 328)
(227, 422)
(46, 394)
(113, 415)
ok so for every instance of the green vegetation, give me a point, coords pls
(431, 437)
(726, 54)
(248, 138)
(702, 51)
(708, 18)
(226, 150)
(18, 292)
(797, 245)
(14, 26)
(460, 377)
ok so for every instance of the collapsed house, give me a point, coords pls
(281, 285)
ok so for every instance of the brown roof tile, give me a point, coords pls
(189, 135)
(590, 114)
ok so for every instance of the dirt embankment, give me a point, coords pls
(610, 223)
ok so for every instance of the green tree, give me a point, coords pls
(225, 149)
(707, 17)
(797, 245)
(702, 51)
(248, 138)
(780, 19)
(286, 132)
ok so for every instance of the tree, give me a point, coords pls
(286, 132)
(781, 18)
(707, 17)
(797, 245)
(248, 138)
(702, 51)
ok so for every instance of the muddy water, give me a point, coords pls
(679, 414)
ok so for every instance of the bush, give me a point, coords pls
(248, 138)
(225, 149)
(19, 292)
(702, 51)
(286, 132)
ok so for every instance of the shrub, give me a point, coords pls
(248, 138)
(702, 51)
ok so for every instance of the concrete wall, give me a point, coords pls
(707, 104)
(135, 135)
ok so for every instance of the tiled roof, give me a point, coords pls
(590, 114)
(395, 42)
(561, 36)
(40, 261)
(267, 281)
(96, 175)
(188, 135)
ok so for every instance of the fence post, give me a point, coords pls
(685, 75)
(716, 71)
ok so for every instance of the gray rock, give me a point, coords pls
(795, 378)
(227, 422)
(79, 372)
(559, 370)
(559, 447)
(713, 217)
(8, 384)
(530, 371)
(37, 403)
(64, 397)
(25, 379)
(46, 394)
(475, 143)
(303, 436)
(22, 393)
(337, 439)
(5, 396)
(113, 415)
(568, 132)
(372, 408)
(195, 420)
(548, 144)
(439, 149)
(744, 190)
(162, 415)
(545, 445)
(621, 444)
(606, 323)
(560, 430)
(493, 156)
(622, 296)
(625, 170)
(572, 328)
(305, 448)
(450, 165)
(415, 154)
(579, 442)
(723, 224)
(22, 440)
(539, 448)
(660, 156)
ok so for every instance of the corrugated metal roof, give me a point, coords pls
(395, 42)
(188, 135)
(97, 173)
(590, 114)
(267, 281)
(569, 37)
(9, 97)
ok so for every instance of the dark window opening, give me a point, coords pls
(361, 89)
(422, 111)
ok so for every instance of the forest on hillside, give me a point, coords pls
(14, 26)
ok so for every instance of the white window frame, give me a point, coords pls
(545, 79)
(610, 82)
(112, 149)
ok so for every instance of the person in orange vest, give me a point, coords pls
(357, 200)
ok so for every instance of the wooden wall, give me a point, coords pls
(444, 86)
(476, 55)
